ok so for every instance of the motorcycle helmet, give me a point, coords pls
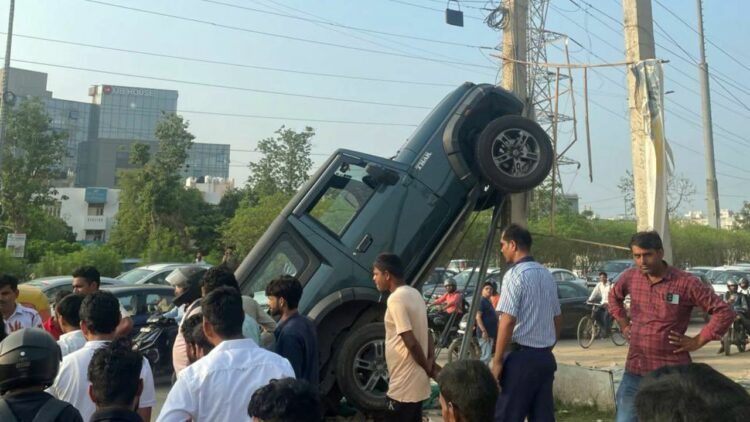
(28, 357)
(743, 280)
(450, 282)
(187, 278)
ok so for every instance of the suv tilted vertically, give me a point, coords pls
(470, 150)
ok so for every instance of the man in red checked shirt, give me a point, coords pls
(661, 300)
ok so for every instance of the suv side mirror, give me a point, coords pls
(379, 174)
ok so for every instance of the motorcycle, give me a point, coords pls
(735, 335)
(454, 350)
(444, 326)
(155, 342)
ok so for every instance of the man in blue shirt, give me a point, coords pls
(296, 336)
(528, 329)
(486, 324)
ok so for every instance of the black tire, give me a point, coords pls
(514, 154)
(726, 341)
(586, 332)
(616, 335)
(361, 371)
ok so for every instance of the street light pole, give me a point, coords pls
(6, 75)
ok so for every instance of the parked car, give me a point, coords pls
(561, 274)
(573, 306)
(34, 297)
(612, 268)
(471, 150)
(724, 274)
(51, 285)
(699, 270)
(458, 265)
(142, 301)
(154, 273)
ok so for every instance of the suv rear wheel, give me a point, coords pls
(361, 371)
(514, 154)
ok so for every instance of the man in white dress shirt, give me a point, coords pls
(100, 316)
(219, 386)
(88, 280)
(68, 319)
(15, 315)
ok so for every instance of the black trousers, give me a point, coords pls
(400, 412)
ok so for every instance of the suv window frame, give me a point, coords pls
(320, 188)
(311, 262)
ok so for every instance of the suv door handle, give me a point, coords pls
(364, 244)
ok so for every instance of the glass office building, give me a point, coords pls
(129, 112)
(73, 118)
(207, 160)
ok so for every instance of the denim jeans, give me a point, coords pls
(626, 397)
(485, 347)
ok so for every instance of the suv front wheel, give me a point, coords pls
(514, 154)
(361, 371)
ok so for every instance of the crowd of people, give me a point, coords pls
(233, 361)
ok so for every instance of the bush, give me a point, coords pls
(164, 245)
(12, 266)
(104, 259)
(36, 249)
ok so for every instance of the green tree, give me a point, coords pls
(151, 212)
(32, 154)
(12, 266)
(249, 223)
(540, 205)
(285, 165)
(742, 218)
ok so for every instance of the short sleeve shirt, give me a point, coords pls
(406, 312)
(529, 294)
(23, 317)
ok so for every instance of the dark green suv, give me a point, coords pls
(471, 149)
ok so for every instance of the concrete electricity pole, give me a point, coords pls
(712, 185)
(514, 79)
(639, 46)
(6, 75)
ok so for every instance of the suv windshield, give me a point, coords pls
(133, 276)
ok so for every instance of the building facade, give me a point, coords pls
(90, 212)
(212, 189)
(102, 132)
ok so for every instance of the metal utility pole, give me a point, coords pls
(6, 75)
(514, 79)
(712, 185)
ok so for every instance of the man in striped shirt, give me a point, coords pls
(529, 327)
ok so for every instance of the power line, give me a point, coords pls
(373, 31)
(236, 88)
(224, 63)
(287, 37)
(274, 5)
(690, 60)
(718, 47)
(430, 8)
(675, 68)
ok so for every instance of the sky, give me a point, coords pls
(244, 68)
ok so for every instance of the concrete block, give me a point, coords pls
(585, 386)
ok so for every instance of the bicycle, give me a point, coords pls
(589, 329)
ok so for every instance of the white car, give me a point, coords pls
(561, 274)
(726, 273)
(154, 273)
